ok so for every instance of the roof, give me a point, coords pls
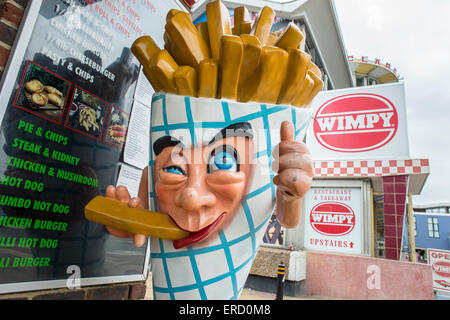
(382, 72)
(432, 205)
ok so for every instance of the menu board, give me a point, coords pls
(63, 136)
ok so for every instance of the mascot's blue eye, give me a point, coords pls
(174, 170)
(223, 160)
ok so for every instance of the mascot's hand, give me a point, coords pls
(121, 194)
(292, 161)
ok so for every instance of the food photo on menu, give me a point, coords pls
(42, 93)
(117, 127)
(86, 114)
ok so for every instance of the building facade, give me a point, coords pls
(431, 229)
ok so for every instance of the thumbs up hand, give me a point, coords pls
(294, 167)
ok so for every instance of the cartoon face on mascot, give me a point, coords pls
(218, 168)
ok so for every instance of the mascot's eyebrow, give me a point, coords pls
(166, 141)
(239, 129)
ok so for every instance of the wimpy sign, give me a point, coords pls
(333, 220)
(360, 123)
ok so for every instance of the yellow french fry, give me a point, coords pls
(318, 85)
(304, 92)
(208, 78)
(164, 68)
(263, 25)
(241, 15)
(186, 81)
(315, 69)
(298, 66)
(249, 68)
(219, 24)
(180, 58)
(134, 220)
(202, 27)
(145, 49)
(187, 39)
(246, 28)
(173, 12)
(291, 37)
(231, 56)
(273, 38)
(152, 79)
(272, 71)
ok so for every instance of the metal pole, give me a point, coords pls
(372, 216)
(280, 285)
(412, 240)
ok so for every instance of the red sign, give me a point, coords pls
(332, 219)
(441, 268)
(356, 123)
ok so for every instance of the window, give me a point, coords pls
(360, 81)
(433, 227)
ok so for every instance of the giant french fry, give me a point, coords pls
(263, 25)
(164, 68)
(291, 37)
(202, 27)
(118, 215)
(169, 45)
(315, 69)
(273, 38)
(186, 81)
(174, 51)
(173, 12)
(304, 92)
(271, 73)
(231, 56)
(241, 16)
(151, 77)
(208, 78)
(251, 67)
(145, 50)
(252, 53)
(219, 24)
(298, 66)
(318, 85)
(187, 39)
(246, 27)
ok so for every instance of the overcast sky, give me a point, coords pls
(414, 36)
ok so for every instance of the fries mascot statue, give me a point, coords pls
(227, 121)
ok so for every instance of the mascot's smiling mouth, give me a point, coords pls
(197, 236)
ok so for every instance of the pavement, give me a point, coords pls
(247, 294)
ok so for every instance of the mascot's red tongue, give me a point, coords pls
(197, 236)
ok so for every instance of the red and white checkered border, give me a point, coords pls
(370, 168)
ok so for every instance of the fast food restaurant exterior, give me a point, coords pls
(353, 215)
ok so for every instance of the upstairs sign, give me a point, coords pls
(334, 219)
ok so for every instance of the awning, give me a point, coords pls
(418, 171)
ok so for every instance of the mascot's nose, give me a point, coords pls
(193, 199)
